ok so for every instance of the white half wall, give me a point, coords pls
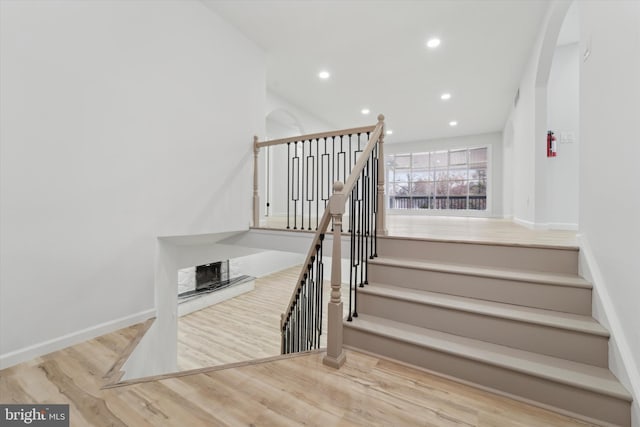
(120, 122)
(609, 153)
(491, 140)
(157, 352)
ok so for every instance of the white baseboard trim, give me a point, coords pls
(24, 354)
(621, 360)
(524, 223)
(569, 226)
(546, 225)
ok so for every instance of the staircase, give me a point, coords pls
(512, 318)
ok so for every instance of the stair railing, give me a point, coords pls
(362, 194)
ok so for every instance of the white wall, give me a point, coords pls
(121, 121)
(519, 152)
(560, 173)
(609, 153)
(491, 140)
(527, 123)
(283, 119)
(308, 122)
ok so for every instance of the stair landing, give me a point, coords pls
(463, 229)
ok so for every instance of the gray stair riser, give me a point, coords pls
(529, 294)
(577, 400)
(548, 260)
(566, 344)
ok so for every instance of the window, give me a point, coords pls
(447, 179)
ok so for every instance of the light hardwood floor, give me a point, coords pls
(464, 229)
(367, 391)
(243, 328)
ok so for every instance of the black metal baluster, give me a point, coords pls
(314, 302)
(356, 249)
(302, 189)
(311, 180)
(295, 184)
(361, 230)
(294, 326)
(367, 201)
(292, 329)
(285, 337)
(320, 290)
(345, 175)
(303, 306)
(299, 319)
(376, 201)
(318, 178)
(288, 180)
(351, 256)
(324, 179)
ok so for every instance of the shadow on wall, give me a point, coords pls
(280, 123)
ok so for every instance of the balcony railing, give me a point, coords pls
(438, 202)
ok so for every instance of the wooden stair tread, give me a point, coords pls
(492, 272)
(587, 377)
(555, 319)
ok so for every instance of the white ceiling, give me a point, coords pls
(375, 51)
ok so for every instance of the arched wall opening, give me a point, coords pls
(557, 110)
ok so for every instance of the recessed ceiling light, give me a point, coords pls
(324, 75)
(390, 132)
(445, 96)
(433, 43)
(365, 111)
(453, 123)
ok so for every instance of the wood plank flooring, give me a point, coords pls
(475, 229)
(243, 328)
(465, 229)
(367, 391)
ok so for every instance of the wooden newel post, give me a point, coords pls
(335, 357)
(256, 197)
(381, 215)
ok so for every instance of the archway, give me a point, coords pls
(556, 100)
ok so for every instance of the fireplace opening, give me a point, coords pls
(210, 276)
(207, 278)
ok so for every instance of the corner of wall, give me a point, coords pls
(24, 354)
(621, 359)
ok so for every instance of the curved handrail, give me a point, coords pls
(377, 132)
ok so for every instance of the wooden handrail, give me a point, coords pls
(345, 190)
(320, 135)
(364, 157)
(301, 323)
(322, 228)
